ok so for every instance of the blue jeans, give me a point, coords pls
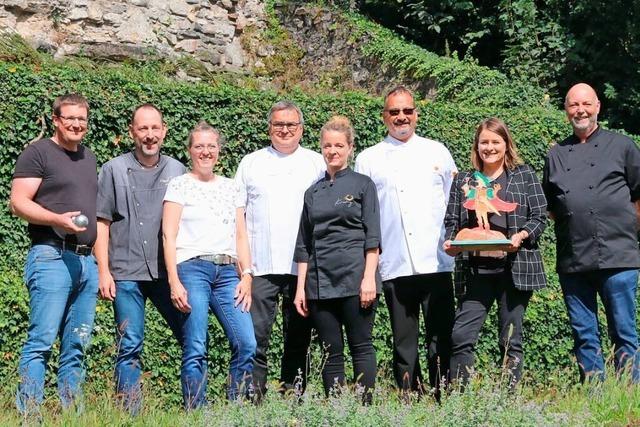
(62, 289)
(617, 289)
(213, 286)
(129, 311)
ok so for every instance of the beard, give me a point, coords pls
(581, 125)
(152, 151)
(403, 132)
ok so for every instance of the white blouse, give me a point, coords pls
(208, 222)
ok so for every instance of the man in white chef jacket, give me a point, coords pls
(413, 176)
(274, 180)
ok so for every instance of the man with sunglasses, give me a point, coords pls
(128, 248)
(413, 176)
(54, 182)
(274, 180)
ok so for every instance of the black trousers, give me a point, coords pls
(404, 297)
(296, 331)
(482, 291)
(329, 316)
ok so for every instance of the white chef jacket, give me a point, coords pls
(274, 184)
(413, 179)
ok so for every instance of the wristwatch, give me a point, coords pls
(248, 271)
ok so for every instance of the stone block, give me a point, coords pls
(209, 55)
(135, 28)
(179, 7)
(158, 4)
(217, 28)
(78, 13)
(94, 11)
(234, 53)
(187, 45)
(118, 8)
(97, 35)
(241, 22)
(112, 18)
(212, 13)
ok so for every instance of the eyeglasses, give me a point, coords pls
(291, 126)
(396, 111)
(68, 119)
(200, 148)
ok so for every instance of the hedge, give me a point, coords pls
(113, 91)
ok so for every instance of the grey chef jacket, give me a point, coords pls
(130, 196)
(340, 221)
(590, 189)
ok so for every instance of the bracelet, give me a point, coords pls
(248, 271)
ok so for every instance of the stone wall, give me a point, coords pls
(209, 30)
(333, 56)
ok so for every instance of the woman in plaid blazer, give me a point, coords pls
(506, 277)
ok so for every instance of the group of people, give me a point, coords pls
(325, 239)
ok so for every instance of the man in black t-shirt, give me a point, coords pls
(55, 180)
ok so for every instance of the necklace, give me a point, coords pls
(155, 165)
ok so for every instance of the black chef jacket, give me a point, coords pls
(590, 189)
(340, 221)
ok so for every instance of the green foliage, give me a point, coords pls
(485, 402)
(550, 43)
(240, 113)
(606, 53)
(453, 80)
(535, 44)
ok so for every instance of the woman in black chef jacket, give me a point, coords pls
(337, 255)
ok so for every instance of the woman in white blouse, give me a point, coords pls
(205, 248)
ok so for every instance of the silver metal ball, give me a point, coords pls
(81, 220)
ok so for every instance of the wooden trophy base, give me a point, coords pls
(479, 239)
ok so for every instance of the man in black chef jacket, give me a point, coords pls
(592, 184)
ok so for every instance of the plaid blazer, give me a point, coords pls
(525, 264)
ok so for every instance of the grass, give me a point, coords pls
(485, 402)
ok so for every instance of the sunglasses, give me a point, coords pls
(396, 111)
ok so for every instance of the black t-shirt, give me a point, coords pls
(69, 183)
(489, 265)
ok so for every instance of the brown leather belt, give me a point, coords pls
(220, 259)
(66, 246)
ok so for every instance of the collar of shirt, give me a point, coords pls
(397, 143)
(338, 174)
(575, 140)
(272, 150)
(135, 163)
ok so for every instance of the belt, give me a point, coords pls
(220, 259)
(66, 246)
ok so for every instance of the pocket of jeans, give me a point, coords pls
(39, 255)
(44, 253)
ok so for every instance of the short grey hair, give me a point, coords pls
(285, 105)
(203, 126)
(398, 90)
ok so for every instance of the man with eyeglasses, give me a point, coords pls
(54, 182)
(128, 248)
(413, 176)
(274, 180)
